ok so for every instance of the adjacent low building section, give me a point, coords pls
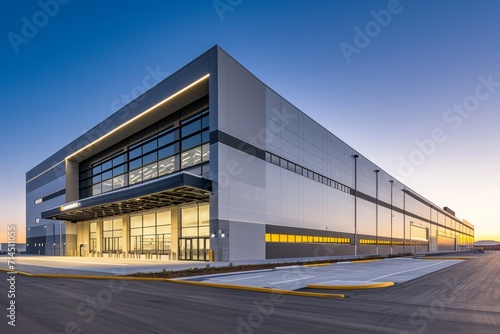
(213, 164)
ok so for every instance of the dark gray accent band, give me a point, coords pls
(238, 144)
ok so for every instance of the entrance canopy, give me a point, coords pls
(173, 190)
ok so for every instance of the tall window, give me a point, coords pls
(112, 236)
(93, 237)
(195, 221)
(151, 233)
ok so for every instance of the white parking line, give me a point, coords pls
(240, 279)
(405, 271)
(291, 280)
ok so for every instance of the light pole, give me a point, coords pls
(376, 209)
(355, 204)
(60, 239)
(404, 218)
(392, 214)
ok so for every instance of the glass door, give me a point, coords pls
(185, 249)
(197, 249)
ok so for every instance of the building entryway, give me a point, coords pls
(196, 249)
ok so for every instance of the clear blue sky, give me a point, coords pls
(396, 87)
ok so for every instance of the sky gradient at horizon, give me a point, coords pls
(417, 67)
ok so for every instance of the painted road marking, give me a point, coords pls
(291, 280)
(240, 279)
(405, 271)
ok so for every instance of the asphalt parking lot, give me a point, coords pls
(462, 298)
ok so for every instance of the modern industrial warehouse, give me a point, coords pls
(211, 164)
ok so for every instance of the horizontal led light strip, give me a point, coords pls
(45, 171)
(141, 114)
(127, 122)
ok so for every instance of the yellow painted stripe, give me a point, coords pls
(122, 278)
(351, 287)
(447, 258)
(16, 271)
(256, 289)
(360, 261)
(317, 265)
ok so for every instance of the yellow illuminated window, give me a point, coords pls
(298, 238)
(291, 238)
(275, 237)
(309, 239)
(283, 238)
(315, 239)
(268, 237)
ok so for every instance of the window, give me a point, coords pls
(96, 189)
(135, 164)
(160, 154)
(147, 159)
(119, 182)
(107, 165)
(275, 160)
(166, 152)
(191, 157)
(107, 175)
(191, 142)
(118, 170)
(166, 166)
(135, 153)
(283, 163)
(112, 234)
(195, 221)
(150, 171)
(135, 176)
(107, 185)
(119, 159)
(191, 128)
(148, 147)
(205, 152)
(167, 138)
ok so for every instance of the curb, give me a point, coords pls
(255, 289)
(121, 278)
(362, 261)
(448, 258)
(318, 264)
(377, 285)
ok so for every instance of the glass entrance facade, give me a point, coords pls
(194, 242)
(180, 232)
(151, 233)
